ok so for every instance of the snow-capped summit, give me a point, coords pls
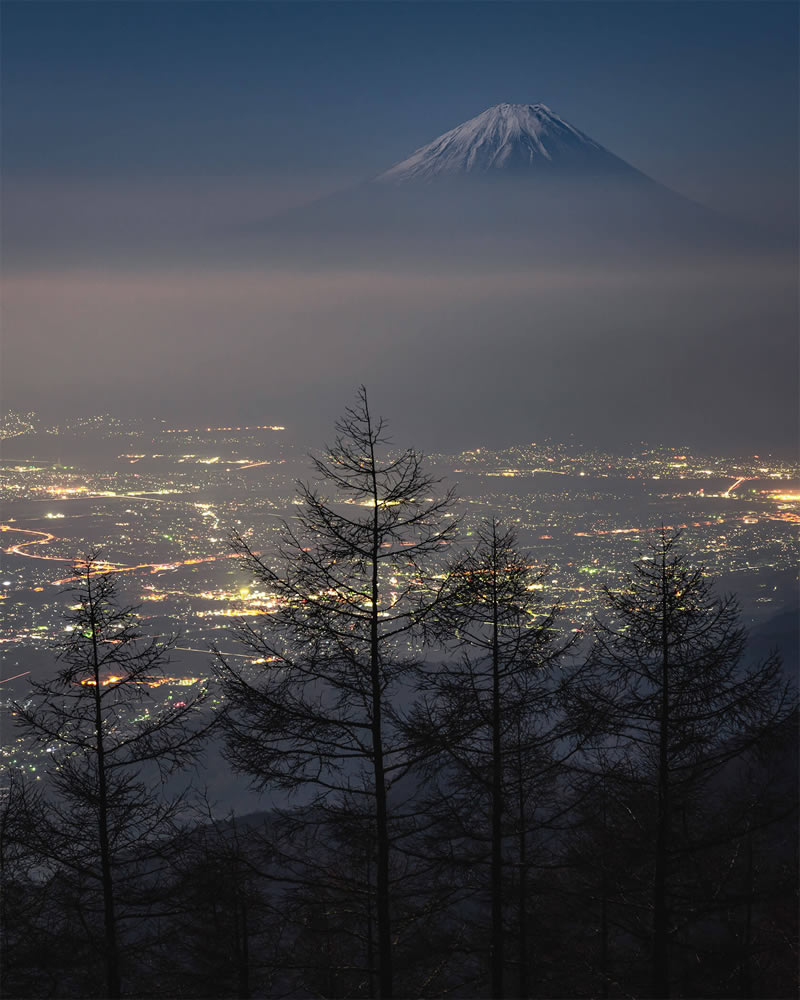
(516, 183)
(505, 137)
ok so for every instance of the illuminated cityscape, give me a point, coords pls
(159, 503)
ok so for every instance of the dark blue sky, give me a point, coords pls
(701, 95)
(136, 135)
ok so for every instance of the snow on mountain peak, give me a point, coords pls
(506, 136)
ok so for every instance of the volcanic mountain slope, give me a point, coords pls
(514, 185)
(510, 138)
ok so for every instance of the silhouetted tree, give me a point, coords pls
(670, 686)
(223, 930)
(33, 931)
(491, 722)
(354, 585)
(96, 721)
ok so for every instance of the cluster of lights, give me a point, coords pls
(210, 430)
(150, 682)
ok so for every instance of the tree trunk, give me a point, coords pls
(661, 978)
(113, 985)
(745, 967)
(370, 931)
(244, 949)
(522, 889)
(605, 974)
(382, 879)
(496, 877)
(385, 985)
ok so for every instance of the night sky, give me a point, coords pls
(134, 132)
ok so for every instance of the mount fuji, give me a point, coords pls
(515, 185)
(508, 137)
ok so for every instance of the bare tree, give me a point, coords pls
(101, 730)
(670, 686)
(355, 581)
(224, 928)
(32, 931)
(490, 722)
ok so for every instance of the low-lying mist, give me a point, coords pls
(703, 352)
(476, 313)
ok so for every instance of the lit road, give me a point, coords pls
(742, 479)
(45, 537)
(5, 680)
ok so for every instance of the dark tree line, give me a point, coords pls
(464, 798)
